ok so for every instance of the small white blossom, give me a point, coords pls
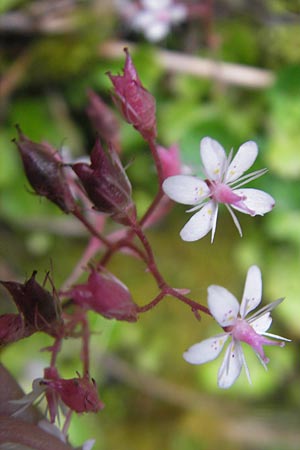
(156, 17)
(224, 177)
(237, 328)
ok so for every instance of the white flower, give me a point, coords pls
(156, 17)
(224, 177)
(232, 318)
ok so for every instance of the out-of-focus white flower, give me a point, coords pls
(232, 318)
(155, 18)
(224, 176)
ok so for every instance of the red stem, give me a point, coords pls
(151, 261)
(158, 165)
(77, 213)
(157, 161)
(55, 349)
(154, 302)
(165, 288)
(67, 423)
(123, 242)
(85, 351)
(194, 305)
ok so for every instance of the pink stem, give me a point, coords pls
(55, 349)
(165, 289)
(77, 213)
(85, 351)
(67, 422)
(154, 302)
(151, 261)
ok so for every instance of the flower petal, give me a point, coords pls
(200, 223)
(213, 158)
(206, 351)
(252, 291)
(262, 323)
(223, 305)
(154, 5)
(262, 311)
(89, 444)
(231, 366)
(142, 20)
(244, 158)
(178, 13)
(156, 31)
(185, 189)
(256, 201)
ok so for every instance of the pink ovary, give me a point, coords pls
(163, 16)
(243, 331)
(222, 193)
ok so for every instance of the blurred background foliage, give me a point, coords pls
(50, 54)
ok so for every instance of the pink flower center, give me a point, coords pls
(222, 193)
(243, 331)
(163, 16)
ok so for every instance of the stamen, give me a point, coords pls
(235, 219)
(214, 224)
(247, 178)
(276, 336)
(261, 312)
(245, 366)
(264, 363)
(194, 208)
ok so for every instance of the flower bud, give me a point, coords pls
(40, 310)
(107, 184)
(103, 120)
(12, 328)
(170, 160)
(79, 394)
(106, 295)
(135, 103)
(45, 172)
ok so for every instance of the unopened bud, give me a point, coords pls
(135, 103)
(170, 160)
(13, 328)
(45, 172)
(107, 184)
(103, 120)
(106, 295)
(39, 309)
(79, 394)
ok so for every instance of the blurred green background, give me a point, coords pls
(49, 56)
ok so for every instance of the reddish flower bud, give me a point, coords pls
(79, 394)
(40, 310)
(170, 160)
(103, 120)
(135, 103)
(107, 184)
(45, 172)
(106, 295)
(13, 328)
